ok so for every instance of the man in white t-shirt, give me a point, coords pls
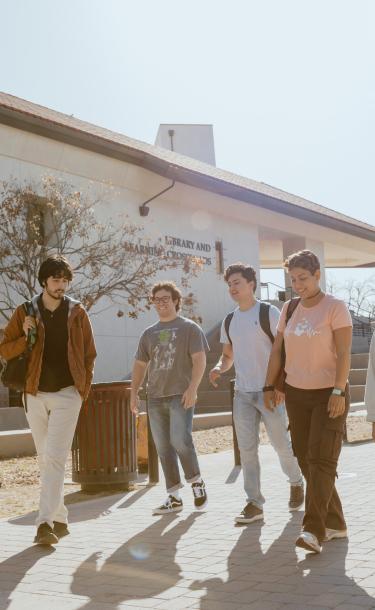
(247, 336)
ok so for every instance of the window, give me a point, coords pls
(41, 226)
(35, 220)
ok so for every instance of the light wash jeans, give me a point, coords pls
(248, 410)
(52, 418)
(171, 427)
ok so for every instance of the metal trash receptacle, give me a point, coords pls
(104, 450)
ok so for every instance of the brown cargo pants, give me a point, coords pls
(317, 442)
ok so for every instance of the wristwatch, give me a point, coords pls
(338, 392)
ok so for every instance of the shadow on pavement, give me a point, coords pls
(233, 475)
(142, 567)
(91, 507)
(13, 570)
(134, 497)
(275, 573)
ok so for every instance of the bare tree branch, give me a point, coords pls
(359, 295)
(111, 259)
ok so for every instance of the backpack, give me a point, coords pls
(13, 373)
(264, 320)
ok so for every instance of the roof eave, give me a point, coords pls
(107, 147)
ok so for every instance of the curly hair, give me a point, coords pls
(245, 270)
(304, 259)
(171, 288)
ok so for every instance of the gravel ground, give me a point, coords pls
(19, 492)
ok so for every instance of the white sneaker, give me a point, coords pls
(171, 505)
(331, 534)
(309, 542)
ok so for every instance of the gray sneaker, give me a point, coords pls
(297, 497)
(249, 514)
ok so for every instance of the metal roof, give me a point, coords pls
(28, 116)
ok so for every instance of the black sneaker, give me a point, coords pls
(45, 535)
(60, 529)
(200, 496)
(297, 497)
(249, 514)
(171, 505)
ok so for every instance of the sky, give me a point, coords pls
(287, 84)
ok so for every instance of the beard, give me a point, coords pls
(55, 294)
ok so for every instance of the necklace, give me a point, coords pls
(313, 295)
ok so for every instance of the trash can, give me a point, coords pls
(104, 450)
(147, 456)
(152, 456)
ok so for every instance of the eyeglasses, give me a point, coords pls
(158, 300)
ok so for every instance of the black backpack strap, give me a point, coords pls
(264, 319)
(29, 311)
(227, 322)
(29, 308)
(292, 305)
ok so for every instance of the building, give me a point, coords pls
(193, 207)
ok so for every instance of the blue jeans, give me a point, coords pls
(248, 410)
(171, 427)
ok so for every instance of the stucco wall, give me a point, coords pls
(185, 213)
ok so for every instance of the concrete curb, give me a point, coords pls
(15, 443)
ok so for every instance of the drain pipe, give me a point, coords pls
(144, 209)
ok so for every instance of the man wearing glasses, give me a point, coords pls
(174, 352)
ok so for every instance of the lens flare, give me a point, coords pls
(140, 551)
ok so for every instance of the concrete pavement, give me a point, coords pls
(118, 556)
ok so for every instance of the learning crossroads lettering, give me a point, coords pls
(195, 249)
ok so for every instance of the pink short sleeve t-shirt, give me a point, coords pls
(309, 343)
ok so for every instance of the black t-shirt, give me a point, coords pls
(55, 373)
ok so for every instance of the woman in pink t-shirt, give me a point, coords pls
(317, 338)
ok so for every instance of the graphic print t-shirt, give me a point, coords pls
(251, 346)
(168, 347)
(309, 342)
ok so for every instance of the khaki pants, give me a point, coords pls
(52, 418)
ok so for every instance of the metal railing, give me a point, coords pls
(284, 293)
(360, 327)
(359, 312)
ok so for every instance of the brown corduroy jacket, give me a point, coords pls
(81, 346)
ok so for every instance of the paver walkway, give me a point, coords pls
(119, 556)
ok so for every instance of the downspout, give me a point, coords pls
(144, 209)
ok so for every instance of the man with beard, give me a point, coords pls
(59, 374)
